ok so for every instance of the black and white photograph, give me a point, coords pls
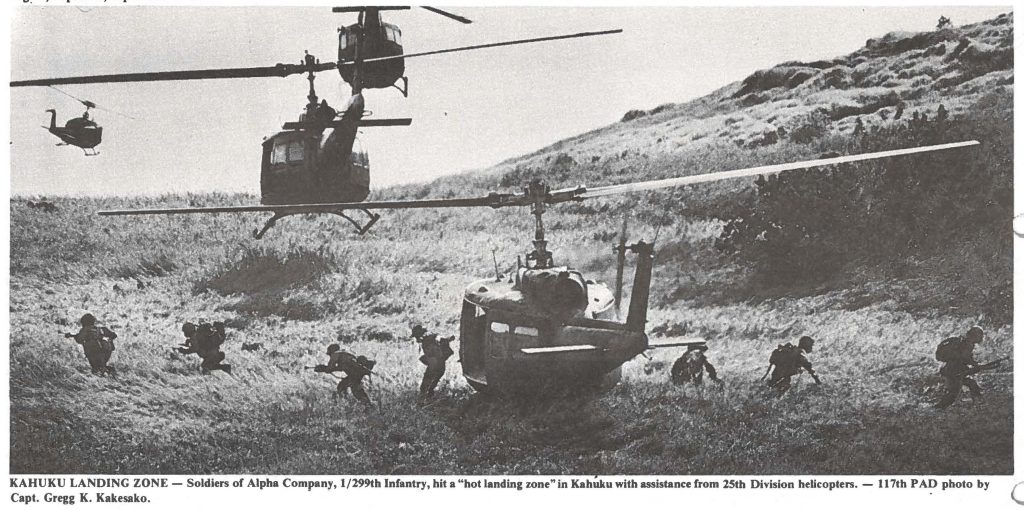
(675, 243)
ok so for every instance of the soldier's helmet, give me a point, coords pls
(188, 329)
(87, 320)
(418, 331)
(806, 343)
(333, 348)
(975, 334)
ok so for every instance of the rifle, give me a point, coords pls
(981, 367)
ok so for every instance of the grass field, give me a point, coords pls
(308, 285)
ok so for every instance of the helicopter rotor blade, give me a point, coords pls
(489, 45)
(90, 104)
(498, 200)
(759, 170)
(447, 14)
(492, 200)
(280, 70)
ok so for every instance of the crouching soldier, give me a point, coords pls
(211, 337)
(691, 365)
(354, 367)
(435, 356)
(98, 343)
(205, 340)
(957, 356)
(788, 361)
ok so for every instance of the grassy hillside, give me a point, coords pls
(310, 283)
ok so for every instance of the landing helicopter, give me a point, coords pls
(547, 326)
(312, 160)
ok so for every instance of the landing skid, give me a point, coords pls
(360, 229)
(93, 153)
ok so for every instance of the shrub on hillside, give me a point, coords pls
(808, 224)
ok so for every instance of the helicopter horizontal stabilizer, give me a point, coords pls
(376, 7)
(681, 342)
(362, 123)
(559, 349)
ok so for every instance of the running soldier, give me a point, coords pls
(98, 343)
(788, 361)
(957, 356)
(691, 365)
(435, 355)
(354, 367)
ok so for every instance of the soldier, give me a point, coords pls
(354, 367)
(435, 354)
(957, 356)
(691, 365)
(98, 343)
(205, 340)
(788, 360)
(189, 345)
(209, 338)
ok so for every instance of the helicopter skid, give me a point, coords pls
(360, 228)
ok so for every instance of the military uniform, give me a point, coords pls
(960, 365)
(691, 365)
(355, 369)
(97, 342)
(205, 340)
(788, 360)
(435, 355)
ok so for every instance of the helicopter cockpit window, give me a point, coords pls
(295, 151)
(398, 36)
(499, 327)
(280, 154)
(343, 40)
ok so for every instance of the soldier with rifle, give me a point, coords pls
(788, 361)
(354, 367)
(98, 343)
(957, 355)
(435, 356)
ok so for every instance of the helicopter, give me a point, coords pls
(82, 132)
(316, 159)
(547, 326)
(370, 39)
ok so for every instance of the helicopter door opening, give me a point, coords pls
(472, 344)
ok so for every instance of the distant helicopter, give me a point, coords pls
(548, 326)
(316, 160)
(82, 132)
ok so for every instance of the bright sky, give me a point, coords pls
(470, 110)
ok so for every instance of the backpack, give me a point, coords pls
(783, 354)
(948, 350)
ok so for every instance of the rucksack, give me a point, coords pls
(783, 354)
(948, 350)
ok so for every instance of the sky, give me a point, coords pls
(470, 110)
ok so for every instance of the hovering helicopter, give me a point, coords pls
(371, 39)
(82, 132)
(316, 159)
(548, 326)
